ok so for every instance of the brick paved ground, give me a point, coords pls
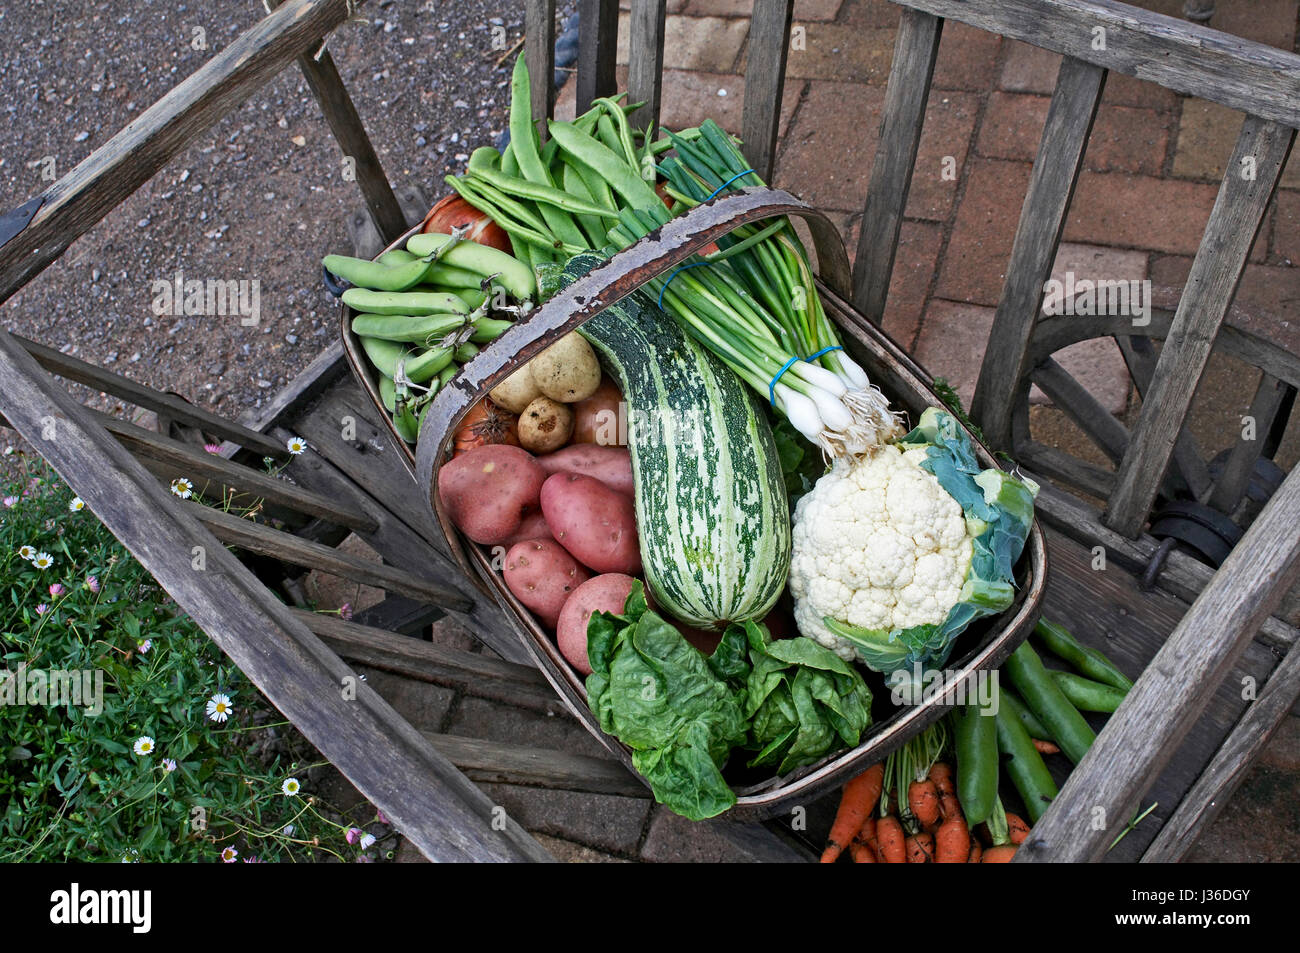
(1151, 176)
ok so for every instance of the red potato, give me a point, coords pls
(489, 490)
(610, 465)
(542, 575)
(605, 593)
(594, 523)
(532, 526)
(602, 417)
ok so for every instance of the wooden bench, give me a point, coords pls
(1184, 736)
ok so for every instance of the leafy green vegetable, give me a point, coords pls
(803, 701)
(656, 693)
(792, 701)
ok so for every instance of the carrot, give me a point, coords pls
(976, 851)
(952, 841)
(889, 835)
(999, 855)
(863, 848)
(920, 848)
(862, 853)
(1045, 747)
(855, 804)
(949, 805)
(1017, 829)
(923, 799)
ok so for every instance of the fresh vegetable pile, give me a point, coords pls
(911, 809)
(698, 471)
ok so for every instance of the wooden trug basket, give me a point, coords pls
(984, 646)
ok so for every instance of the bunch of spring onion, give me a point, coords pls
(753, 303)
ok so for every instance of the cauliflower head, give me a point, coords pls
(878, 543)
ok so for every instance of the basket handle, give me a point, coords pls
(604, 285)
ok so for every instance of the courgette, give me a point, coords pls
(711, 509)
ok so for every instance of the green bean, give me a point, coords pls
(484, 157)
(623, 132)
(1087, 695)
(363, 273)
(975, 737)
(396, 256)
(451, 277)
(509, 164)
(591, 225)
(541, 194)
(523, 135)
(387, 392)
(522, 238)
(1025, 765)
(489, 329)
(604, 163)
(447, 373)
(515, 277)
(1027, 717)
(1086, 660)
(1045, 700)
(385, 355)
(466, 352)
(607, 135)
(405, 423)
(474, 297)
(403, 302)
(401, 327)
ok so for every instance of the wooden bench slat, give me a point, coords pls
(1033, 252)
(341, 114)
(1241, 74)
(480, 675)
(1065, 468)
(1261, 149)
(1201, 805)
(123, 388)
(915, 51)
(760, 118)
(401, 546)
(1140, 357)
(539, 55)
(119, 167)
(194, 463)
(597, 49)
(259, 538)
(1142, 735)
(495, 762)
(646, 60)
(435, 806)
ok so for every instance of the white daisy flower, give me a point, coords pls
(77, 505)
(367, 840)
(27, 552)
(229, 855)
(144, 647)
(219, 707)
(182, 488)
(288, 830)
(296, 445)
(169, 765)
(43, 561)
(143, 745)
(290, 787)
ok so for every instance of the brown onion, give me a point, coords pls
(452, 211)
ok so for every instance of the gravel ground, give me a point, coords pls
(261, 196)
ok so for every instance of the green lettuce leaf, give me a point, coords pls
(658, 694)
